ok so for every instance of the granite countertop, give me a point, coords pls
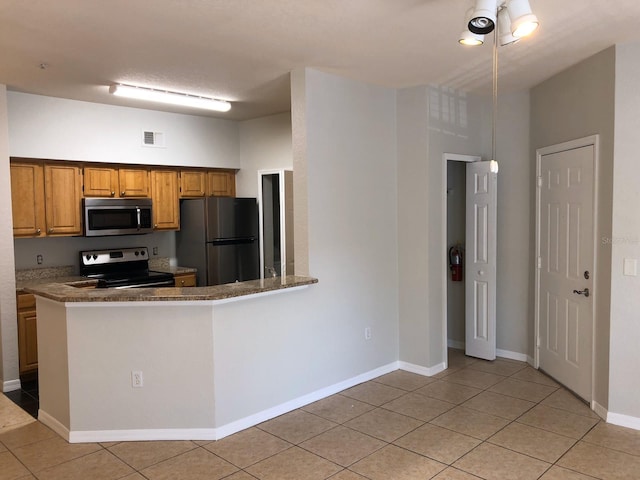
(29, 278)
(69, 292)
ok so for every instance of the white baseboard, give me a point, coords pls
(11, 385)
(92, 436)
(531, 361)
(623, 420)
(599, 409)
(420, 370)
(521, 357)
(54, 424)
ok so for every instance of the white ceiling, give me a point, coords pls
(243, 50)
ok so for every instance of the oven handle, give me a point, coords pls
(164, 283)
(138, 216)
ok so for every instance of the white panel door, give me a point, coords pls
(480, 262)
(565, 265)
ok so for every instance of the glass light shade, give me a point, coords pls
(524, 26)
(173, 98)
(470, 39)
(523, 21)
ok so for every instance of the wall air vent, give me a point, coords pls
(152, 139)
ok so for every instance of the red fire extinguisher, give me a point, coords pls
(455, 263)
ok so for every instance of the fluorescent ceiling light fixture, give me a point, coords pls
(173, 98)
(483, 17)
(523, 20)
(467, 37)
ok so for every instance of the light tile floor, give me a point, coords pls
(477, 420)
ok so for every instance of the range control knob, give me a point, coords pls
(95, 257)
(137, 253)
(142, 252)
(88, 257)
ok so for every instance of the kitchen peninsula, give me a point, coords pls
(160, 363)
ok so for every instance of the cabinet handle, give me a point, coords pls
(182, 282)
(122, 194)
(38, 231)
(113, 194)
(51, 230)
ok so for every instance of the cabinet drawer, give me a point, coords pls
(26, 300)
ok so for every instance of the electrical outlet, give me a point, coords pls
(136, 379)
(155, 250)
(39, 259)
(367, 333)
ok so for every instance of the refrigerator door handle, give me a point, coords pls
(232, 241)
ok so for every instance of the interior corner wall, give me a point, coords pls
(8, 316)
(345, 133)
(265, 144)
(576, 103)
(624, 357)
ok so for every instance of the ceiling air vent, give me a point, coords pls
(152, 139)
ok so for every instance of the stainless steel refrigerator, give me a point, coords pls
(219, 237)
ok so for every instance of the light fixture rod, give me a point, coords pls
(495, 95)
(173, 98)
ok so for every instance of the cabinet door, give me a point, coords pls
(221, 184)
(62, 189)
(27, 199)
(185, 280)
(134, 182)
(100, 182)
(193, 183)
(27, 334)
(166, 204)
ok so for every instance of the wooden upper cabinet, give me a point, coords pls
(27, 199)
(221, 183)
(166, 202)
(133, 182)
(63, 196)
(193, 183)
(100, 182)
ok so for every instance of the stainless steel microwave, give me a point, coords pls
(117, 216)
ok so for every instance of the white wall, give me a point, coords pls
(265, 144)
(60, 129)
(624, 396)
(349, 155)
(8, 320)
(576, 103)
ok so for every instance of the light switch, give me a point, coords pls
(630, 267)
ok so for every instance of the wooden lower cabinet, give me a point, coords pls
(185, 279)
(27, 333)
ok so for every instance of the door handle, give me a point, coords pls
(584, 292)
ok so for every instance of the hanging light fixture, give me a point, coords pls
(514, 20)
(467, 37)
(483, 17)
(523, 20)
(173, 98)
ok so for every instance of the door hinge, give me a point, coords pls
(539, 181)
(539, 262)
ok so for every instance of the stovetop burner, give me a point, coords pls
(122, 268)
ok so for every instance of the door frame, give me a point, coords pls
(591, 140)
(445, 250)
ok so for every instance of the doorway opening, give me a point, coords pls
(453, 233)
